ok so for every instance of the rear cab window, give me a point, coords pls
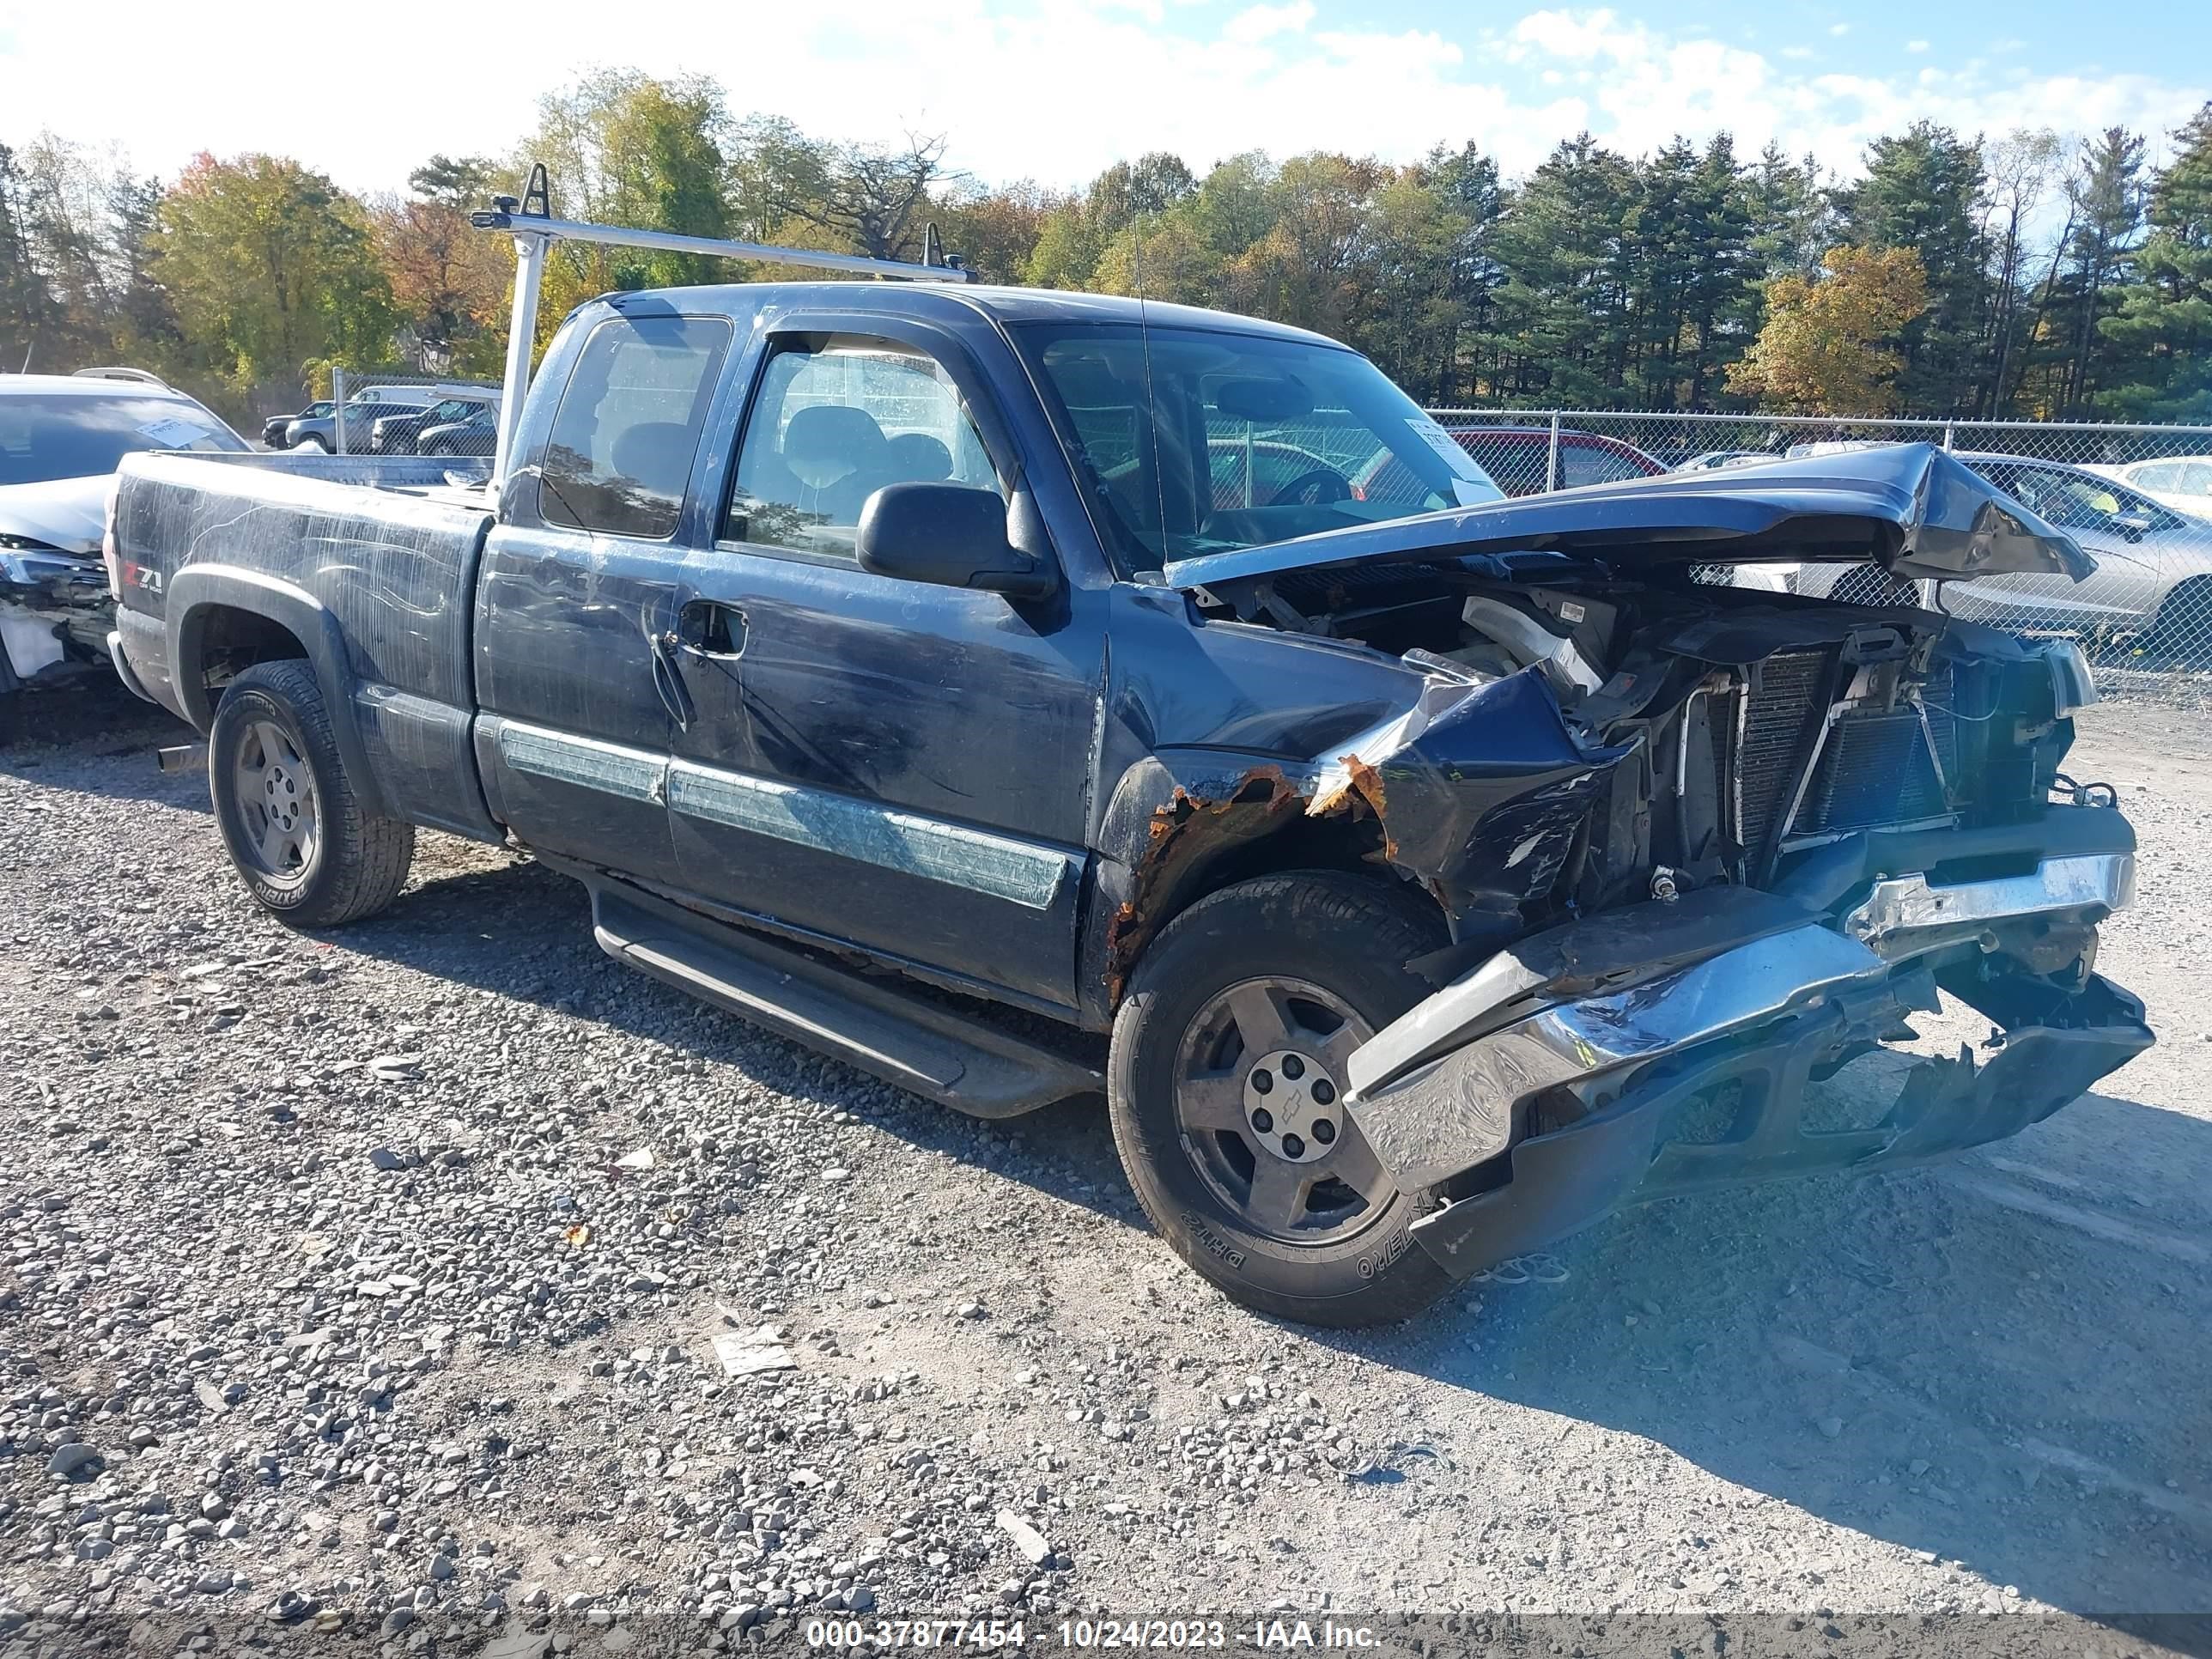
(619, 456)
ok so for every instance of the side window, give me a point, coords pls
(1589, 464)
(834, 421)
(628, 424)
(2160, 475)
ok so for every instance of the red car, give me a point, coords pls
(1517, 459)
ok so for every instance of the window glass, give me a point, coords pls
(2196, 479)
(1194, 441)
(2159, 475)
(2073, 500)
(831, 425)
(1589, 464)
(76, 435)
(628, 424)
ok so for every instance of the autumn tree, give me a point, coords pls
(1828, 345)
(1923, 190)
(272, 268)
(449, 281)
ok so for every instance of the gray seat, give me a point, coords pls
(844, 447)
(653, 458)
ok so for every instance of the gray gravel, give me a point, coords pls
(389, 1280)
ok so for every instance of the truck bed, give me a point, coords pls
(369, 561)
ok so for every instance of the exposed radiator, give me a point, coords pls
(1785, 690)
(1874, 768)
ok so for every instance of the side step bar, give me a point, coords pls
(870, 1023)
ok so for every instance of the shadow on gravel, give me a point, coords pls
(94, 717)
(522, 930)
(1998, 1360)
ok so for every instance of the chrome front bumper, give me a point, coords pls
(1566, 1055)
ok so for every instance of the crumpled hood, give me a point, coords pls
(67, 513)
(1911, 508)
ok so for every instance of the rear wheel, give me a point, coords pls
(1225, 1087)
(294, 827)
(2182, 631)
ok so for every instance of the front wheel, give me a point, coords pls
(1225, 1085)
(289, 815)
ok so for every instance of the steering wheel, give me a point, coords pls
(1316, 488)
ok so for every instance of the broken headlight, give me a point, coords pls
(2071, 686)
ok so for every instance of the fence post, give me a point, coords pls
(338, 411)
(1551, 457)
(1950, 436)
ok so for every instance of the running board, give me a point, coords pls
(870, 1023)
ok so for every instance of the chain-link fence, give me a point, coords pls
(370, 412)
(2138, 498)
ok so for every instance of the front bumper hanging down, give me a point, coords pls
(1560, 1079)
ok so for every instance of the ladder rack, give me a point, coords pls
(530, 222)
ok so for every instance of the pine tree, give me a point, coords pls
(1923, 190)
(2162, 324)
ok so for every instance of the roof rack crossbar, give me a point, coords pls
(534, 230)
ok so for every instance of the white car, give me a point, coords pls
(61, 438)
(2182, 482)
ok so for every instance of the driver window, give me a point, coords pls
(834, 422)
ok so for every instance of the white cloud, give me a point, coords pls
(1257, 23)
(1840, 30)
(1916, 45)
(1049, 89)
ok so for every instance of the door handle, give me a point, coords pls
(668, 681)
(705, 627)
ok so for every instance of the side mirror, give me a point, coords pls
(950, 534)
(2133, 526)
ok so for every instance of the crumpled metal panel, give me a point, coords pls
(1912, 507)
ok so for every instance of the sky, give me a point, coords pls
(1053, 90)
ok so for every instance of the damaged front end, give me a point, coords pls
(1669, 1048)
(1699, 849)
(55, 614)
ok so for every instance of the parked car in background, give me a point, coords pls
(398, 433)
(2182, 482)
(1517, 459)
(273, 430)
(61, 436)
(2154, 565)
(320, 431)
(1712, 460)
(477, 435)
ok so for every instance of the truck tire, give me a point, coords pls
(294, 827)
(1225, 1083)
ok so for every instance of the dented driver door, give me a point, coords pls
(901, 765)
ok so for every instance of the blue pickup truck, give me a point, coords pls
(1443, 872)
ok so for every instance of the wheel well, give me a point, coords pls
(233, 640)
(1263, 830)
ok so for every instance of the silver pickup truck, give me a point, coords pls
(1436, 872)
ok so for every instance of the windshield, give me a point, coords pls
(79, 435)
(1224, 440)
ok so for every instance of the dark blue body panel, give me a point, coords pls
(984, 788)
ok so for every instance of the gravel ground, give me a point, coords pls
(374, 1283)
